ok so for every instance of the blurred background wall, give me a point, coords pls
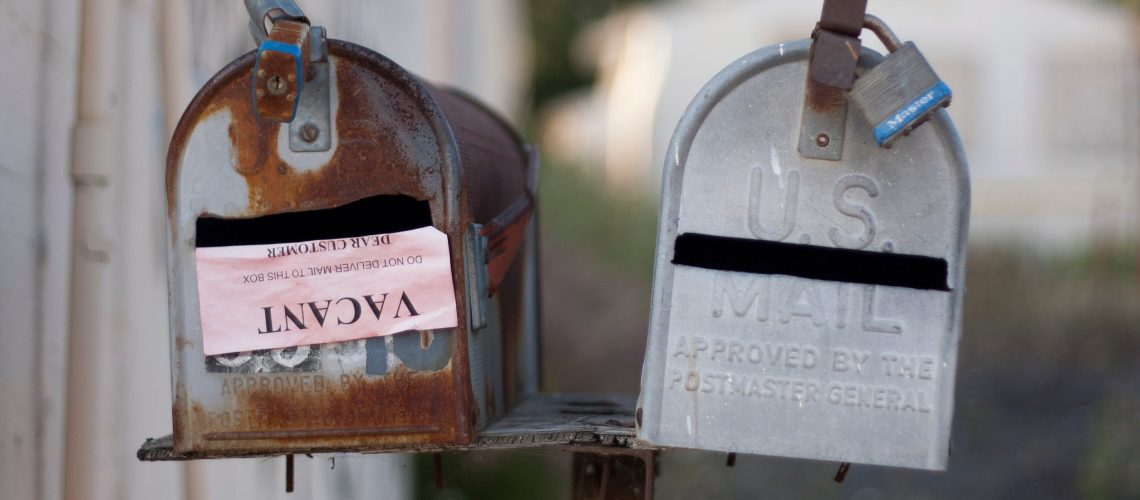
(91, 92)
(1044, 99)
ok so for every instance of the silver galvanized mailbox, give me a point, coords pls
(804, 307)
(372, 152)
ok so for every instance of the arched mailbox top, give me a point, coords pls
(392, 134)
(936, 139)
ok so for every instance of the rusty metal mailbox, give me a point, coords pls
(804, 304)
(371, 150)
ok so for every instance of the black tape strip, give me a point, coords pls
(722, 253)
(373, 215)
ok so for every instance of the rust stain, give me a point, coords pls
(176, 414)
(363, 154)
(354, 410)
(370, 159)
(178, 417)
(183, 417)
(181, 342)
(251, 160)
(824, 99)
(198, 412)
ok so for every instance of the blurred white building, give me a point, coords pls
(89, 97)
(1044, 99)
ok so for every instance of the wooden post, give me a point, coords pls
(612, 473)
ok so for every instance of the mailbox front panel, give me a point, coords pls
(390, 139)
(797, 355)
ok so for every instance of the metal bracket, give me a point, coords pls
(824, 122)
(311, 129)
(475, 261)
(831, 71)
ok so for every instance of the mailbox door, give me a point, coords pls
(390, 145)
(777, 360)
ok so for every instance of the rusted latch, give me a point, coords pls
(835, 49)
(831, 72)
(291, 75)
(279, 72)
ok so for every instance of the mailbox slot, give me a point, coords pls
(372, 215)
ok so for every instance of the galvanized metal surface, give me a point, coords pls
(789, 366)
(605, 422)
(311, 129)
(391, 136)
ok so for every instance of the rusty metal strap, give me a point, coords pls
(843, 16)
(505, 233)
(835, 49)
(273, 10)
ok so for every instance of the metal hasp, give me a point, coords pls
(311, 129)
(831, 71)
(803, 307)
(414, 155)
(291, 73)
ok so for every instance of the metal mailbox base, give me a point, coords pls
(597, 429)
(541, 420)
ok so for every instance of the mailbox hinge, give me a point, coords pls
(475, 264)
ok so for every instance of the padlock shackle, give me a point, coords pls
(890, 40)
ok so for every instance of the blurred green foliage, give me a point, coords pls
(618, 229)
(554, 24)
(1111, 466)
(498, 475)
(1135, 4)
(1067, 311)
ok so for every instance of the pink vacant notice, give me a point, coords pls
(313, 292)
